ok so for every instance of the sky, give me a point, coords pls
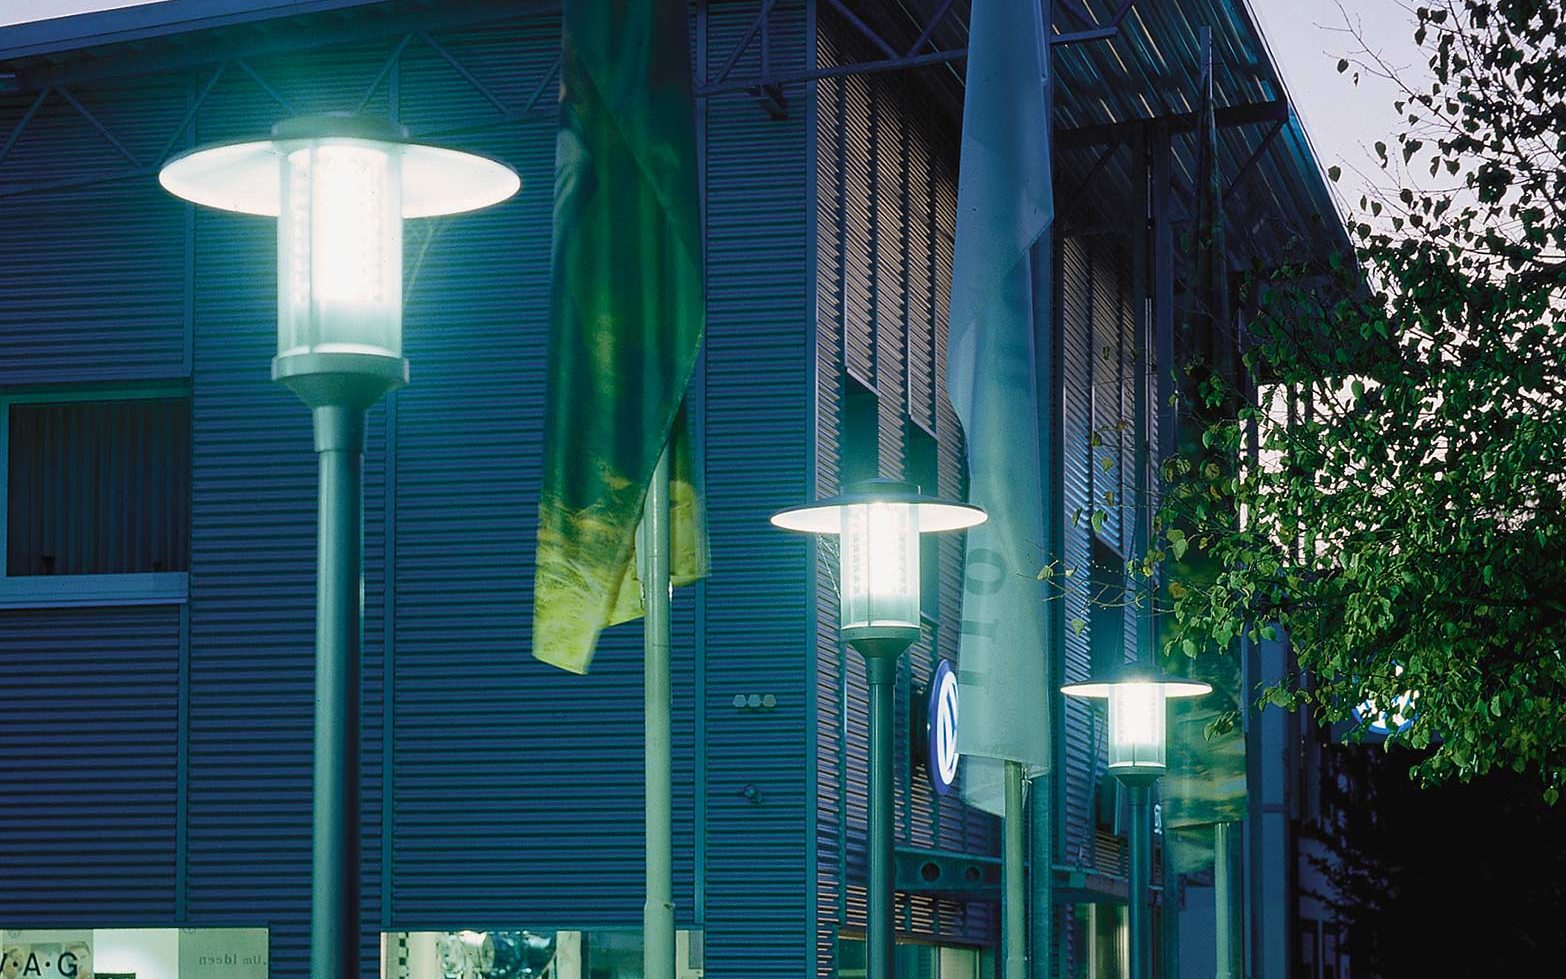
(1307, 38)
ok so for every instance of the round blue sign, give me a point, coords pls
(1397, 719)
(941, 727)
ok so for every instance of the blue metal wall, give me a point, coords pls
(90, 737)
(513, 792)
(758, 396)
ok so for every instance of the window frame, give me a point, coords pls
(68, 590)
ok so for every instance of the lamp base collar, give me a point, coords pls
(349, 380)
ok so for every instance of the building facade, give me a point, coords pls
(156, 611)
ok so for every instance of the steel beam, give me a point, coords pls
(1245, 114)
(21, 125)
(1254, 158)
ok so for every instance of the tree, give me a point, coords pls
(1402, 429)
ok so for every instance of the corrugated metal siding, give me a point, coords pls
(499, 794)
(858, 222)
(1098, 371)
(831, 658)
(759, 378)
(918, 237)
(903, 224)
(1109, 458)
(252, 574)
(1077, 373)
(90, 733)
(91, 276)
(479, 773)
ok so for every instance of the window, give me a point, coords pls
(1107, 608)
(1305, 960)
(136, 953)
(914, 960)
(859, 445)
(920, 467)
(515, 953)
(97, 491)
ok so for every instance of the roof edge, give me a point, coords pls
(148, 20)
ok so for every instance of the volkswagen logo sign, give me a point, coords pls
(941, 728)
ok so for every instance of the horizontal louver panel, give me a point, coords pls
(1077, 375)
(758, 388)
(858, 221)
(90, 735)
(1108, 457)
(909, 212)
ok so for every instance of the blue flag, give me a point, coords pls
(1005, 204)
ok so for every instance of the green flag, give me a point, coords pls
(1206, 782)
(627, 318)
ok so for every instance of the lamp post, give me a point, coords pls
(878, 523)
(1138, 715)
(339, 187)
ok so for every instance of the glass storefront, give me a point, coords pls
(528, 954)
(917, 961)
(1101, 932)
(134, 953)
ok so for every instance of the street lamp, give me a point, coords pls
(340, 187)
(878, 523)
(1138, 700)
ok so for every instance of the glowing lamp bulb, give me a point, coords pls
(879, 566)
(1136, 725)
(339, 247)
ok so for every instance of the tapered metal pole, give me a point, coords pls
(1226, 888)
(1141, 873)
(881, 670)
(1041, 911)
(1014, 931)
(653, 554)
(334, 910)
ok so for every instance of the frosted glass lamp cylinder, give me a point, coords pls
(339, 248)
(1136, 725)
(879, 566)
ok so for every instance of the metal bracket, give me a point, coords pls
(947, 873)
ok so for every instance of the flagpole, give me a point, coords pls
(1226, 879)
(1014, 926)
(653, 555)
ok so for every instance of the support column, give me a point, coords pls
(335, 857)
(653, 555)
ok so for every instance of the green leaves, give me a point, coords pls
(1404, 505)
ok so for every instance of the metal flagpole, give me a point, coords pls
(1014, 928)
(653, 556)
(1226, 888)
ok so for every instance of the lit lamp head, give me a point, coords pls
(878, 523)
(1138, 716)
(339, 187)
